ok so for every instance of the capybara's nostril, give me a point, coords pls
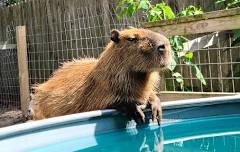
(161, 48)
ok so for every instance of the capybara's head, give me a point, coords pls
(140, 49)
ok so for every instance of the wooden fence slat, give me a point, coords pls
(106, 19)
(203, 26)
(23, 68)
(187, 19)
(208, 22)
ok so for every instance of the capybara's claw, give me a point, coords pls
(156, 112)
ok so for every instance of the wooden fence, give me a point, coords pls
(57, 31)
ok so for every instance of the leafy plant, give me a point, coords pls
(130, 7)
(162, 11)
(153, 12)
(191, 10)
(231, 4)
(177, 46)
(236, 37)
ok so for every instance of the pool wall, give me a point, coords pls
(39, 133)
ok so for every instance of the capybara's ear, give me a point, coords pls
(115, 36)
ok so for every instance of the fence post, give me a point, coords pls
(106, 20)
(23, 68)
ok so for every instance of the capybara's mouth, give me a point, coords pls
(164, 66)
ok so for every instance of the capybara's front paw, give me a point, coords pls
(137, 114)
(132, 111)
(156, 110)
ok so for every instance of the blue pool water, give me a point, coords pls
(209, 134)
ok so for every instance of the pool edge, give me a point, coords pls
(6, 132)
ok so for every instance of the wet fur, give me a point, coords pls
(126, 72)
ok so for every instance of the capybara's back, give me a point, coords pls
(53, 97)
(124, 77)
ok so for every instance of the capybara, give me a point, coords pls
(125, 76)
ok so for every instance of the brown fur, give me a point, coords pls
(127, 71)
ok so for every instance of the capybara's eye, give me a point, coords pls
(161, 47)
(132, 39)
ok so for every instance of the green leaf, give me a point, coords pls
(130, 9)
(187, 58)
(236, 34)
(197, 12)
(120, 4)
(235, 3)
(220, 1)
(177, 44)
(236, 37)
(167, 11)
(154, 15)
(229, 3)
(178, 78)
(144, 4)
(191, 10)
(189, 55)
(183, 13)
(199, 75)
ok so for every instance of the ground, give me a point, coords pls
(11, 117)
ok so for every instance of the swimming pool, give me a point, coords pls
(209, 124)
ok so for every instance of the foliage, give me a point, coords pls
(177, 46)
(162, 11)
(191, 10)
(153, 12)
(236, 37)
(10, 2)
(231, 4)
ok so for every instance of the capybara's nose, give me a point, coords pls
(161, 49)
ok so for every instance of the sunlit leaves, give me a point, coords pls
(178, 77)
(198, 74)
(191, 10)
(229, 3)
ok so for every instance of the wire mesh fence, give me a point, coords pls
(9, 87)
(219, 63)
(9, 84)
(84, 31)
(81, 33)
